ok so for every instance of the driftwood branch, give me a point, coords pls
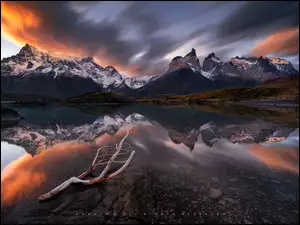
(103, 176)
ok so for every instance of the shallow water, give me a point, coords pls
(190, 166)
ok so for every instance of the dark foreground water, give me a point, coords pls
(191, 165)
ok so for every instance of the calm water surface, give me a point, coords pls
(191, 166)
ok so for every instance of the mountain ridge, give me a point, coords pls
(28, 70)
(31, 60)
(257, 69)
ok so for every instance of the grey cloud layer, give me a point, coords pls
(68, 27)
(254, 16)
(250, 20)
(254, 19)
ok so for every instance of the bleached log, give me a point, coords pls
(122, 168)
(98, 179)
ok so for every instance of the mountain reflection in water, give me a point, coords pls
(182, 149)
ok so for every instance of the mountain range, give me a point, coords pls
(39, 73)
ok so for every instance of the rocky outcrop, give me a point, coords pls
(189, 61)
(211, 62)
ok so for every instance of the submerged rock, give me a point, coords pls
(214, 193)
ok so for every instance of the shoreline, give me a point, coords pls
(283, 103)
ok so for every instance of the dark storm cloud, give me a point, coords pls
(202, 31)
(223, 54)
(155, 67)
(160, 46)
(97, 29)
(137, 14)
(108, 34)
(249, 21)
(67, 27)
(157, 49)
(85, 3)
(261, 14)
(255, 18)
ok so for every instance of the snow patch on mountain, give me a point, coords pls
(208, 74)
(137, 82)
(243, 61)
(282, 65)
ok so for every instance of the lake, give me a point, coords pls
(191, 165)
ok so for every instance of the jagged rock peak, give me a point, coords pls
(28, 48)
(192, 53)
(111, 69)
(176, 58)
(211, 55)
(189, 61)
(211, 62)
(88, 59)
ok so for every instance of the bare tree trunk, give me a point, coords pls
(102, 177)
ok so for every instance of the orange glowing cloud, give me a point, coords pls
(24, 23)
(21, 25)
(278, 158)
(285, 41)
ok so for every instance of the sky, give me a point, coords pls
(141, 38)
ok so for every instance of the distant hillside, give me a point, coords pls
(99, 97)
(26, 98)
(285, 88)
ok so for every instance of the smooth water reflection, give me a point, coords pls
(177, 148)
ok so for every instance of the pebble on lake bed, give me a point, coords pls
(215, 193)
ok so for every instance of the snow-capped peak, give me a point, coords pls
(241, 61)
(258, 69)
(137, 82)
(281, 65)
(277, 60)
(264, 68)
(32, 61)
